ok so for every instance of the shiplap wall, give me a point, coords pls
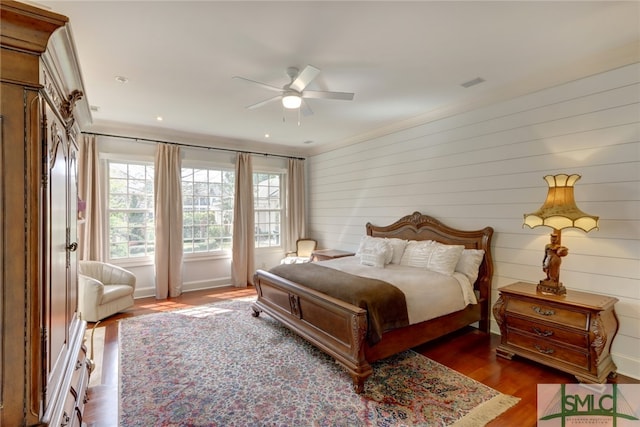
(486, 167)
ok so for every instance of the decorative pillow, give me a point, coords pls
(444, 258)
(469, 263)
(376, 245)
(417, 253)
(372, 258)
(398, 246)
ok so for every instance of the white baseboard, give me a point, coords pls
(627, 366)
(186, 287)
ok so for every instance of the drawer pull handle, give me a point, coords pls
(545, 333)
(543, 312)
(544, 350)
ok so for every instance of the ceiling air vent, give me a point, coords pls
(473, 82)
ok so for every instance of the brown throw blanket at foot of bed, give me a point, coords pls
(385, 304)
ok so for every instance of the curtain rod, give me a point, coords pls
(135, 138)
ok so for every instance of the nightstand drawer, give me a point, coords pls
(549, 313)
(549, 349)
(548, 331)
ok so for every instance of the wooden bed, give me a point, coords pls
(340, 328)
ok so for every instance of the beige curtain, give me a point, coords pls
(242, 264)
(90, 224)
(296, 217)
(168, 217)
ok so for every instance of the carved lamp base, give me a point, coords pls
(551, 287)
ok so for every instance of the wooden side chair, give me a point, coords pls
(304, 249)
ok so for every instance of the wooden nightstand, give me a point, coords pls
(325, 254)
(571, 332)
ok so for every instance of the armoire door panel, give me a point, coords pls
(56, 292)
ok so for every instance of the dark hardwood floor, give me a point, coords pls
(468, 351)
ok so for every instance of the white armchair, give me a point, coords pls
(103, 289)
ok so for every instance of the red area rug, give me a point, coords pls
(216, 365)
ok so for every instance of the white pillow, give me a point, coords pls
(398, 246)
(444, 258)
(372, 258)
(469, 263)
(417, 253)
(376, 245)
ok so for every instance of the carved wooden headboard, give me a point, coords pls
(423, 227)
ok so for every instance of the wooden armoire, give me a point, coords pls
(44, 369)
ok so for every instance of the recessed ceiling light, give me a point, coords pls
(159, 118)
(308, 142)
(266, 135)
(122, 79)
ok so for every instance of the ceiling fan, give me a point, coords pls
(292, 94)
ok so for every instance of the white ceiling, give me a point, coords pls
(405, 61)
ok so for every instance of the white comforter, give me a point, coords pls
(428, 294)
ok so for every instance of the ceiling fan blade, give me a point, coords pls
(305, 109)
(305, 77)
(344, 96)
(264, 85)
(266, 101)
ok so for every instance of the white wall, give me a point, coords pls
(485, 167)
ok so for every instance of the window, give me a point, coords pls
(130, 210)
(268, 208)
(207, 204)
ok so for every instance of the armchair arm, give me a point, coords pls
(90, 289)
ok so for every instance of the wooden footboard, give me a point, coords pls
(337, 328)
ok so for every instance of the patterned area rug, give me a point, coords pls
(217, 365)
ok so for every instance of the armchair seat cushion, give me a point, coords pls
(295, 260)
(114, 292)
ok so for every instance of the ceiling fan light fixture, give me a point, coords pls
(291, 100)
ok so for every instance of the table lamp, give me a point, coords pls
(559, 211)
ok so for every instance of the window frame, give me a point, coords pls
(149, 260)
(282, 210)
(219, 254)
(105, 159)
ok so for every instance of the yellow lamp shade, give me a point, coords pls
(559, 209)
